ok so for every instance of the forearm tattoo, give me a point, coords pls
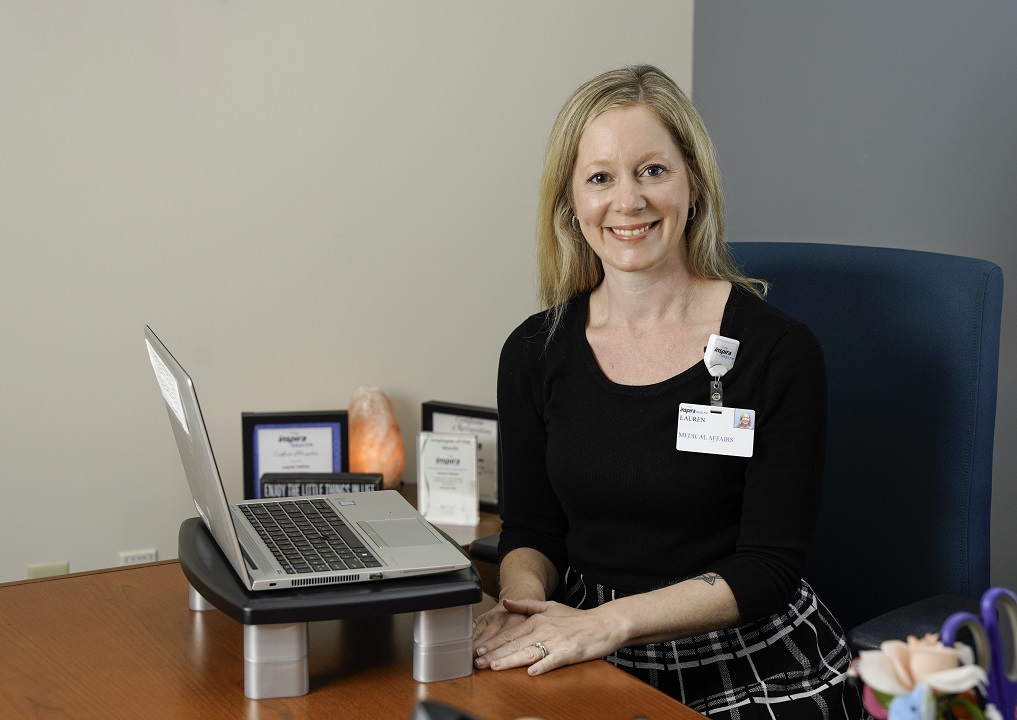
(709, 578)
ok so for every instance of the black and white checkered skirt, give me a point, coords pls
(789, 665)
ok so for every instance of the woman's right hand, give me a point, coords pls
(524, 574)
(494, 621)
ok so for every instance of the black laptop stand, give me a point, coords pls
(275, 622)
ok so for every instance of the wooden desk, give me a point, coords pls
(122, 643)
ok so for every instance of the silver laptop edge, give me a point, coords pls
(228, 525)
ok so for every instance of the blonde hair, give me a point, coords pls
(566, 264)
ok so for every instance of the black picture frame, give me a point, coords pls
(491, 500)
(254, 424)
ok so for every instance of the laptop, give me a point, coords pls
(296, 542)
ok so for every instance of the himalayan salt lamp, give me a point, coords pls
(376, 445)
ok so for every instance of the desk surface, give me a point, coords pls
(123, 643)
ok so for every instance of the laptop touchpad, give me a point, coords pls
(402, 532)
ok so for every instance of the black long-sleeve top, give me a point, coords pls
(593, 480)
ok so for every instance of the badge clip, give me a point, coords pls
(716, 393)
(719, 356)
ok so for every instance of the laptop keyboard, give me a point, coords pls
(308, 536)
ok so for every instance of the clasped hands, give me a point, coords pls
(519, 632)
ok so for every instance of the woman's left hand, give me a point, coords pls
(569, 636)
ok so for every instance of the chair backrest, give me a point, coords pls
(911, 341)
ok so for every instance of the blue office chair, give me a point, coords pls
(911, 341)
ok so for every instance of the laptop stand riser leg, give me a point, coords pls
(275, 656)
(275, 660)
(443, 643)
(196, 602)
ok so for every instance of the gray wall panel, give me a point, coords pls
(872, 123)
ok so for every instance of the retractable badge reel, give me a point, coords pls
(719, 358)
(714, 429)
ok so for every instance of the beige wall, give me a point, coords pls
(299, 197)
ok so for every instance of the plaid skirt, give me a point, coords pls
(789, 665)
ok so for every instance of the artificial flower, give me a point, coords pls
(921, 679)
(897, 667)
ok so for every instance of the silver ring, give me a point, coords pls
(543, 650)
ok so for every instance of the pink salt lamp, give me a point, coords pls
(376, 445)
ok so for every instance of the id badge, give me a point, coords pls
(716, 430)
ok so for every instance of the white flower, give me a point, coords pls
(897, 667)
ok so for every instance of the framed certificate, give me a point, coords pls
(447, 477)
(295, 442)
(446, 417)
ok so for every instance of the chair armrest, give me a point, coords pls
(485, 548)
(918, 618)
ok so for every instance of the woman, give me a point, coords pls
(683, 568)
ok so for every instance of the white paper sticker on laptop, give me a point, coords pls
(168, 385)
(716, 430)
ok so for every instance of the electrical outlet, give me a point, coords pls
(48, 569)
(134, 557)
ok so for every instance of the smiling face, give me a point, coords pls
(631, 192)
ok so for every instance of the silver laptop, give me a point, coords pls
(296, 542)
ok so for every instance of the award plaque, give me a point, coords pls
(447, 478)
(297, 442)
(482, 422)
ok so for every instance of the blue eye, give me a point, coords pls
(599, 178)
(655, 170)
